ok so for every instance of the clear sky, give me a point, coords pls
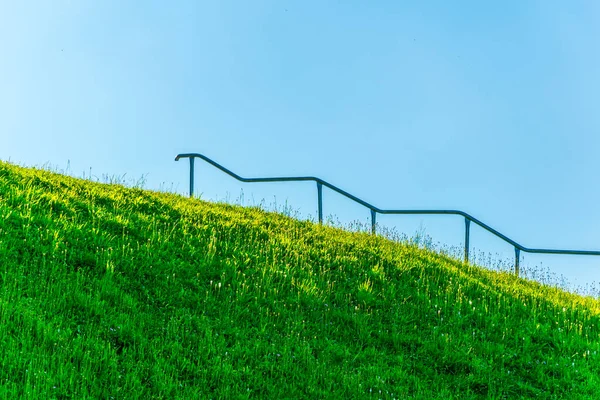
(490, 108)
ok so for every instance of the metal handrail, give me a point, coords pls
(376, 210)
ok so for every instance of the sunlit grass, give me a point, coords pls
(114, 292)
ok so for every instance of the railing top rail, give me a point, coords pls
(375, 209)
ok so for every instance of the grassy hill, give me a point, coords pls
(109, 292)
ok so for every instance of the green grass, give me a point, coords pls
(110, 292)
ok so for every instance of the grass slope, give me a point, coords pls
(109, 292)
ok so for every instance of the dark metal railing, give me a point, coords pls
(375, 210)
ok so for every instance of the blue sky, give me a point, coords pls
(487, 108)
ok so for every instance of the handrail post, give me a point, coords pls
(373, 220)
(467, 231)
(517, 256)
(191, 176)
(320, 200)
